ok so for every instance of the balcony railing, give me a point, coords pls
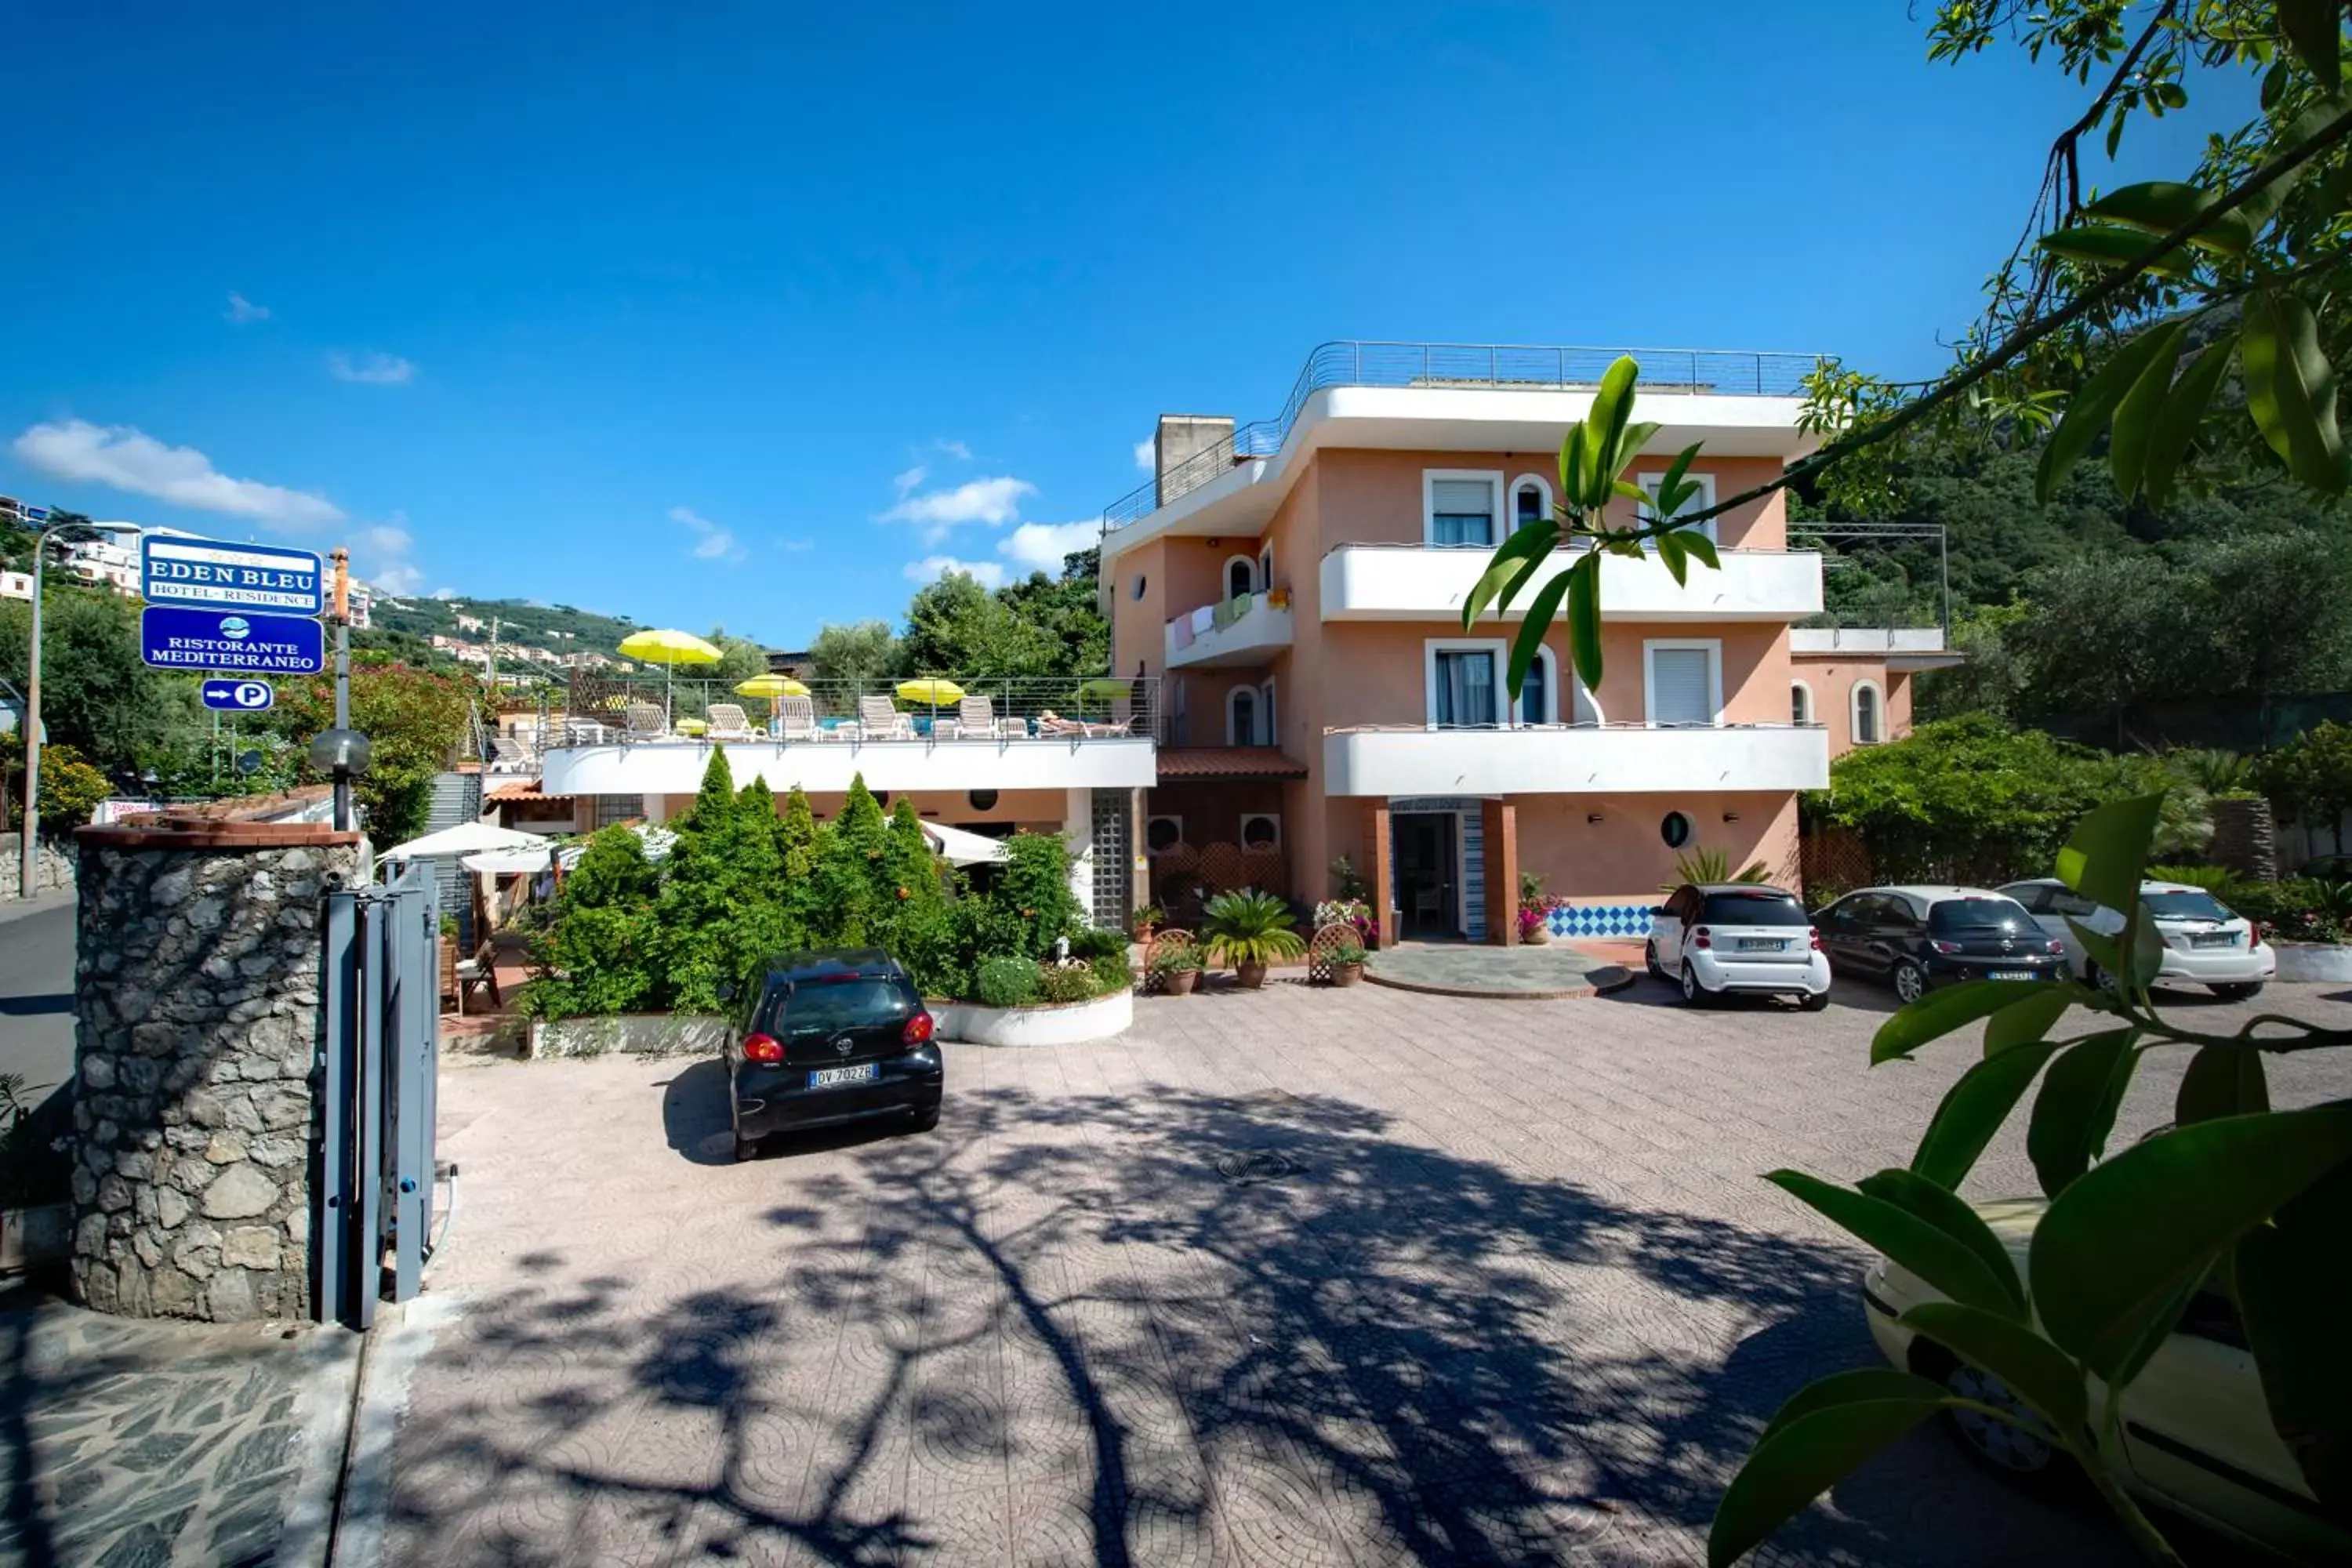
(640, 708)
(1573, 759)
(1719, 372)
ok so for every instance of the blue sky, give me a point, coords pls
(741, 313)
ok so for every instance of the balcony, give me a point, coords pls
(1559, 759)
(638, 735)
(1421, 583)
(1902, 647)
(1242, 631)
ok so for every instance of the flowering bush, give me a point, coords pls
(1350, 912)
(1534, 914)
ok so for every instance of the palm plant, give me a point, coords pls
(1705, 866)
(1249, 929)
(2214, 770)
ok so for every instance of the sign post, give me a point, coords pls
(343, 682)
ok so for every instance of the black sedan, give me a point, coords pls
(831, 1038)
(1917, 938)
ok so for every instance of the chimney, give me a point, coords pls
(1179, 438)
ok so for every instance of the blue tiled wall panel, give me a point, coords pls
(1601, 920)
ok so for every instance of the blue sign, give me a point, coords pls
(175, 639)
(238, 696)
(203, 572)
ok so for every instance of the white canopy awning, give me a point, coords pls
(961, 847)
(509, 862)
(466, 838)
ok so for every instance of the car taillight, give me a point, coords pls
(1813, 935)
(2254, 935)
(1941, 945)
(763, 1049)
(918, 1030)
(1699, 938)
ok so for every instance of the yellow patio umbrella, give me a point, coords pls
(775, 688)
(669, 649)
(932, 689)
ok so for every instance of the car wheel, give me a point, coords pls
(1910, 982)
(1650, 961)
(746, 1149)
(2028, 1455)
(1814, 1001)
(1693, 994)
(2238, 992)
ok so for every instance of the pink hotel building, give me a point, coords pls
(1296, 584)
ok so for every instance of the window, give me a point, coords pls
(1261, 830)
(1754, 907)
(1462, 685)
(1530, 501)
(1701, 499)
(1266, 567)
(1459, 506)
(1675, 829)
(1869, 718)
(1162, 833)
(981, 799)
(1683, 682)
(1241, 716)
(1983, 913)
(1801, 703)
(1273, 727)
(1535, 693)
(1241, 577)
(1137, 591)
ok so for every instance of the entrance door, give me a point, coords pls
(1427, 875)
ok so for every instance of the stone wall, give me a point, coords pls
(52, 868)
(197, 996)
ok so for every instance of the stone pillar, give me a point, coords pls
(1500, 825)
(1378, 879)
(2246, 840)
(1179, 438)
(197, 1000)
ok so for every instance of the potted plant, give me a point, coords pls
(1147, 921)
(1249, 929)
(1178, 968)
(449, 956)
(1347, 961)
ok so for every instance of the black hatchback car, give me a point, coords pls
(829, 1038)
(1916, 938)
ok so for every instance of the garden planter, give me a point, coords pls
(1346, 974)
(1534, 936)
(2314, 962)
(1250, 975)
(1044, 1024)
(1180, 982)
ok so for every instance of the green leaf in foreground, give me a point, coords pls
(1948, 1211)
(2291, 388)
(2106, 854)
(2076, 1107)
(2087, 414)
(1973, 1110)
(1944, 1261)
(2035, 1370)
(2221, 1080)
(1801, 1458)
(1939, 1013)
(2120, 1242)
(2292, 1276)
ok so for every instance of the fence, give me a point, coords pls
(382, 1004)
(602, 708)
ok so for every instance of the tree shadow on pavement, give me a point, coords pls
(1163, 1329)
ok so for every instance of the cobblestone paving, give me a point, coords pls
(133, 1443)
(1302, 1277)
(1555, 965)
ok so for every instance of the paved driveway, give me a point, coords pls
(1298, 1277)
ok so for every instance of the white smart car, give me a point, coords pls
(2196, 1433)
(2205, 941)
(1713, 938)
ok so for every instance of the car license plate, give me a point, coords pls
(2214, 939)
(835, 1078)
(2015, 974)
(1763, 944)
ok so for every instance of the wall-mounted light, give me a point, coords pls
(1591, 817)
(1212, 543)
(1731, 816)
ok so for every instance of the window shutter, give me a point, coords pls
(1680, 691)
(1462, 498)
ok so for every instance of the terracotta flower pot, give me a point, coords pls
(1251, 975)
(1180, 982)
(1346, 974)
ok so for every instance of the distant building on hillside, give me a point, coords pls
(359, 603)
(16, 584)
(106, 562)
(469, 623)
(800, 665)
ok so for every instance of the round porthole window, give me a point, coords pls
(882, 798)
(981, 799)
(1675, 830)
(1164, 833)
(1137, 591)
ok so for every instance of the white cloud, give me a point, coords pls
(386, 538)
(906, 481)
(1042, 545)
(445, 593)
(714, 543)
(1145, 458)
(397, 580)
(129, 459)
(374, 370)
(956, 449)
(797, 546)
(241, 309)
(931, 568)
(995, 501)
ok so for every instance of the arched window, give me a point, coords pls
(1801, 702)
(1241, 716)
(1241, 577)
(1869, 713)
(1530, 501)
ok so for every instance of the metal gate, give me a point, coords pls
(381, 997)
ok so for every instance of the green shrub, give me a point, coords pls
(1250, 926)
(596, 953)
(2212, 878)
(1099, 942)
(1111, 973)
(1007, 980)
(1030, 907)
(720, 917)
(1076, 983)
(1176, 956)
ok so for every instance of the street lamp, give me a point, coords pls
(28, 846)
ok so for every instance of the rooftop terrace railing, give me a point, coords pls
(1508, 366)
(628, 709)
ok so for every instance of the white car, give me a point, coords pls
(2205, 941)
(1713, 938)
(2195, 1435)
